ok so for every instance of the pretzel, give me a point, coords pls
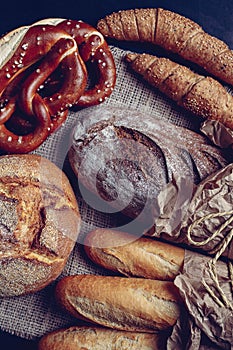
(93, 49)
(46, 75)
(22, 76)
(12, 143)
(73, 82)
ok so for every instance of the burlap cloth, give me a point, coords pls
(34, 315)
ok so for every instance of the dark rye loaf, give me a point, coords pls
(126, 157)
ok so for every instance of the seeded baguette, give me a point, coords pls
(132, 256)
(174, 33)
(89, 338)
(203, 96)
(128, 304)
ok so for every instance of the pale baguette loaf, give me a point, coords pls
(142, 257)
(129, 304)
(96, 338)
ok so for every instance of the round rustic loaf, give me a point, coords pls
(126, 157)
(39, 223)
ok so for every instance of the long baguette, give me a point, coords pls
(96, 338)
(132, 257)
(129, 304)
(174, 33)
(203, 96)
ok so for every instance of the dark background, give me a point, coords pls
(215, 16)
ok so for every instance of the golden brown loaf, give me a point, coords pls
(39, 223)
(96, 338)
(203, 96)
(174, 33)
(129, 304)
(133, 256)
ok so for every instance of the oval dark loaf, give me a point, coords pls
(126, 157)
(39, 223)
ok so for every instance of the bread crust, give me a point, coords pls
(131, 304)
(39, 223)
(89, 338)
(112, 143)
(174, 33)
(203, 96)
(134, 257)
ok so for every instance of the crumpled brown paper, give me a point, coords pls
(219, 134)
(206, 220)
(205, 284)
(204, 324)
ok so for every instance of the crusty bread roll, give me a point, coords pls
(39, 223)
(96, 338)
(132, 256)
(129, 304)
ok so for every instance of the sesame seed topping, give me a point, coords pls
(9, 138)
(25, 46)
(20, 139)
(8, 76)
(38, 70)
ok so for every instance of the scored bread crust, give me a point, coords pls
(131, 304)
(39, 223)
(80, 338)
(174, 33)
(203, 96)
(133, 256)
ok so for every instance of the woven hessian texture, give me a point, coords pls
(34, 315)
